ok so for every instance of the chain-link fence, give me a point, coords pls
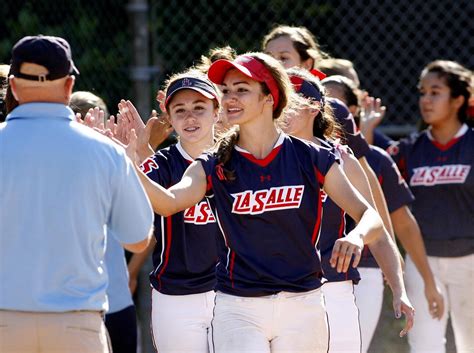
(127, 48)
(388, 41)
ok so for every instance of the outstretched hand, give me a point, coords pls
(371, 114)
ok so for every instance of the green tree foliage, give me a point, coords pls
(98, 32)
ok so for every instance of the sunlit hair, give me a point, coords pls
(82, 101)
(214, 54)
(226, 143)
(325, 125)
(303, 41)
(458, 79)
(348, 87)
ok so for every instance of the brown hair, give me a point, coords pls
(303, 41)
(214, 54)
(226, 143)
(349, 88)
(82, 101)
(341, 67)
(458, 79)
(325, 125)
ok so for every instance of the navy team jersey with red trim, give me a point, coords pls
(442, 179)
(352, 135)
(395, 189)
(185, 255)
(334, 226)
(270, 217)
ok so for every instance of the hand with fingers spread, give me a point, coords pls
(371, 114)
(159, 129)
(156, 129)
(402, 305)
(345, 249)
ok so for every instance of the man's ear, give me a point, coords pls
(12, 83)
(68, 86)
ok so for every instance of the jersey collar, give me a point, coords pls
(183, 153)
(462, 130)
(271, 156)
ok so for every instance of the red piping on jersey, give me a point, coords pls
(343, 224)
(341, 232)
(314, 238)
(168, 247)
(231, 267)
(262, 162)
(209, 183)
(319, 176)
(380, 179)
(446, 146)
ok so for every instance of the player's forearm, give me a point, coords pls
(370, 226)
(162, 200)
(379, 199)
(386, 254)
(409, 234)
(137, 260)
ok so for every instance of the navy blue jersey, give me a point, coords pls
(334, 226)
(352, 135)
(442, 180)
(185, 255)
(381, 140)
(270, 217)
(395, 189)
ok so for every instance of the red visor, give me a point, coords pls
(319, 74)
(250, 67)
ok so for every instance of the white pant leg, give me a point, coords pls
(369, 299)
(427, 334)
(457, 273)
(284, 322)
(241, 324)
(343, 317)
(181, 323)
(300, 323)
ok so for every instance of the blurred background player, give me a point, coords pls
(369, 291)
(312, 120)
(438, 164)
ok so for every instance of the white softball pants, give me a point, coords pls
(343, 317)
(455, 277)
(284, 322)
(369, 299)
(182, 323)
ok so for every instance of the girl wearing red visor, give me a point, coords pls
(265, 187)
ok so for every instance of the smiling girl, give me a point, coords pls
(185, 253)
(265, 187)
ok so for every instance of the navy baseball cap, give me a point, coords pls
(54, 53)
(306, 89)
(203, 86)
